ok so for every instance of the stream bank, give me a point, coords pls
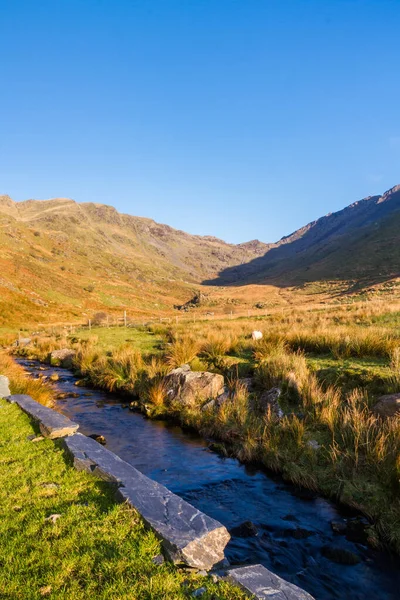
(270, 522)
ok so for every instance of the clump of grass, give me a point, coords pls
(182, 351)
(20, 383)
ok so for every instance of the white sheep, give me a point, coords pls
(256, 335)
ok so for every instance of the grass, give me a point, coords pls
(142, 339)
(330, 365)
(21, 384)
(96, 548)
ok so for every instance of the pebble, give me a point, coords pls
(53, 518)
(199, 592)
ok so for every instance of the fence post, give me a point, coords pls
(90, 325)
(125, 318)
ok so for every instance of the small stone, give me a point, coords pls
(54, 377)
(158, 560)
(49, 486)
(313, 444)
(339, 527)
(45, 590)
(99, 438)
(199, 592)
(39, 438)
(80, 383)
(17, 508)
(4, 386)
(202, 573)
(53, 518)
(299, 533)
(289, 518)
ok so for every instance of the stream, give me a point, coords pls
(290, 532)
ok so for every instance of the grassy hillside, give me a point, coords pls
(63, 261)
(357, 244)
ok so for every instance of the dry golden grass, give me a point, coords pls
(20, 383)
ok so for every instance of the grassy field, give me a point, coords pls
(331, 364)
(93, 549)
(108, 339)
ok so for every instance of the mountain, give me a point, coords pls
(61, 259)
(359, 243)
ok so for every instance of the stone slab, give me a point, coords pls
(188, 535)
(4, 386)
(261, 583)
(52, 424)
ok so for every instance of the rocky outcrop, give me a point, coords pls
(4, 386)
(62, 358)
(192, 387)
(387, 406)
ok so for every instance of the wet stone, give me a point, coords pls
(244, 530)
(188, 535)
(264, 585)
(340, 555)
(52, 424)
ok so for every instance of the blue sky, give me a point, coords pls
(236, 118)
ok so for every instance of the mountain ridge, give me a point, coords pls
(59, 256)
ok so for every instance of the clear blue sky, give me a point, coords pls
(236, 118)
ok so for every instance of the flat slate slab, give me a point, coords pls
(264, 585)
(188, 535)
(4, 386)
(52, 424)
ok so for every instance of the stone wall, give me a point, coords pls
(188, 536)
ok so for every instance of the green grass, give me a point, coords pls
(96, 548)
(145, 341)
(372, 374)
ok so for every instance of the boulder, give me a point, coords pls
(4, 386)
(62, 358)
(387, 406)
(189, 387)
(270, 400)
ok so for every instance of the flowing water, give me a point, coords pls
(290, 528)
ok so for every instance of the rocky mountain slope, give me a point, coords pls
(61, 261)
(360, 242)
(60, 256)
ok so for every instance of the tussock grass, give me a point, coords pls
(182, 350)
(358, 457)
(20, 383)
